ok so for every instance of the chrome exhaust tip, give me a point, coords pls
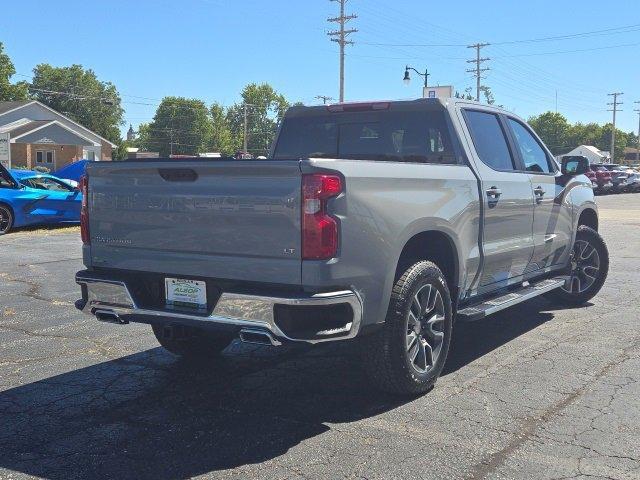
(258, 337)
(109, 316)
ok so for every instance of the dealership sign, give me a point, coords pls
(5, 150)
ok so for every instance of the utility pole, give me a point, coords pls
(340, 37)
(478, 61)
(615, 104)
(324, 98)
(638, 146)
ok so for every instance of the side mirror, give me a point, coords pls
(574, 165)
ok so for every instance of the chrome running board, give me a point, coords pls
(506, 300)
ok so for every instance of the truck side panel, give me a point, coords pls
(385, 205)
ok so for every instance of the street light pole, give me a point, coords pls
(407, 78)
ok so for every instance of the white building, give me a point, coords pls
(592, 153)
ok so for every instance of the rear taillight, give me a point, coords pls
(319, 229)
(84, 210)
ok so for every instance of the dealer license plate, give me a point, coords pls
(185, 293)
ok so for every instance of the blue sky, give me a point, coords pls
(210, 49)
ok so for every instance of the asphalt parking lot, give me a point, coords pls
(534, 392)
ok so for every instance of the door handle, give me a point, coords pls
(493, 192)
(493, 195)
(539, 192)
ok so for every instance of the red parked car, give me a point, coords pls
(600, 179)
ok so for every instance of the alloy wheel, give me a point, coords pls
(585, 266)
(425, 325)
(5, 219)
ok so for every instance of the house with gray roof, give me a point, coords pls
(33, 134)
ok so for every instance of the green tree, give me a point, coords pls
(8, 90)
(120, 152)
(222, 139)
(181, 126)
(584, 134)
(265, 108)
(143, 137)
(553, 128)
(79, 94)
(604, 142)
(467, 95)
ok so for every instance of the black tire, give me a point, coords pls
(573, 295)
(190, 343)
(6, 219)
(385, 353)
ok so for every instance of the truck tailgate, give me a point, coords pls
(225, 219)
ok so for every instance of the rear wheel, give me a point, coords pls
(190, 343)
(408, 353)
(6, 219)
(589, 269)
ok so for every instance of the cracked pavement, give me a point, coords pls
(536, 391)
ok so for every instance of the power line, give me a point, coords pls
(340, 37)
(608, 31)
(606, 47)
(615, 104)
(478, 61)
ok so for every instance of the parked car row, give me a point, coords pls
(612, 178)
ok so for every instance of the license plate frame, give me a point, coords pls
(185, 293)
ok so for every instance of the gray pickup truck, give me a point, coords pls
(384, 221)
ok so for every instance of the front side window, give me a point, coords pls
(533, 155)
(44, 183)
(420, 137)
(489, 139)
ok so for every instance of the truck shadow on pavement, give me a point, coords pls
(148, 415)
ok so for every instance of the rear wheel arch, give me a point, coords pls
(435, 246)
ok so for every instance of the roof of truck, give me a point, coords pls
(435, 103)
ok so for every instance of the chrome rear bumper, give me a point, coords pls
(111, 297)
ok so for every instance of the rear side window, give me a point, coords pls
(421, 137)
(489, 140)
(533, 155)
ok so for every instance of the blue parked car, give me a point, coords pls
(29, 198)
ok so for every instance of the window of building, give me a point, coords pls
(45, 157)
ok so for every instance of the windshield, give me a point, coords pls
(383, 135)
(44, 183)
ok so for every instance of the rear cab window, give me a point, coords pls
(489, 139)
(384, 135)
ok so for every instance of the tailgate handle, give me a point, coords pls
(178, 174)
